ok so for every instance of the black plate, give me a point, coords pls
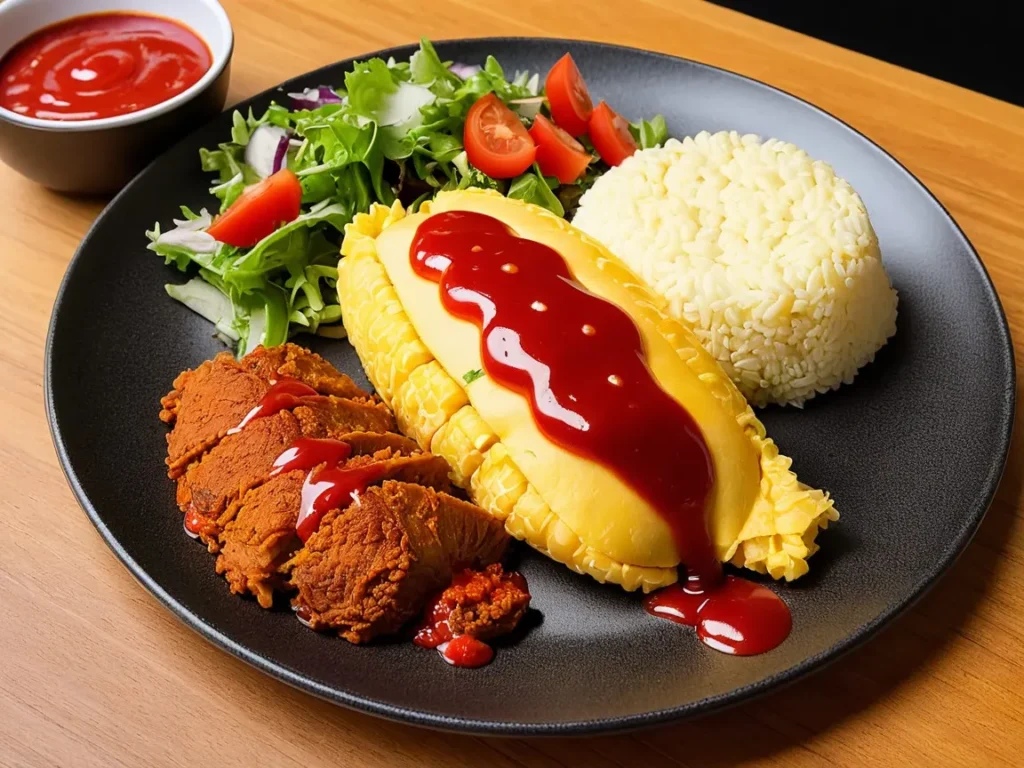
(912, 452)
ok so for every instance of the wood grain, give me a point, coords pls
(93, 672)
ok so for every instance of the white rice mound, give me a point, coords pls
(765, 253)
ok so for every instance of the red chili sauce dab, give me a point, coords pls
(466, 586)
(101, 65)
(580, 362)
(460, 651)
(282, 395)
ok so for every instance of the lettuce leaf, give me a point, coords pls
(426, 68)
(534, 187)
(397, 132)
(368, 86)
(650, 134)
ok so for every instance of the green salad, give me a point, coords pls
(290, 179)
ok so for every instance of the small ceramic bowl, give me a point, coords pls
(100, 156)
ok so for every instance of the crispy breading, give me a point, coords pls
(261, 537)
(204, 405)
(207, 402)
(297, 362)
(486, 604)
(369, 568)
(243, 460)
(259, 532)
(327, 416)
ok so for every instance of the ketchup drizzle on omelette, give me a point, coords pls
(580, 362)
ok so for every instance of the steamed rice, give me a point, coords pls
(764, 252)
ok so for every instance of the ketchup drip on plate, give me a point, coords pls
(282, 395)
(101, 65)
(473, 589)
(434, 630)
(737, 616)
(580, 362)
(466, 651)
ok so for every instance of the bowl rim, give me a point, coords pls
(220, 63)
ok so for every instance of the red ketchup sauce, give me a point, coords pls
(281, 396)
(435, 631)
(330, 488)
(579, 361)
(309, 452)
(101, 65)
(327, 486)
(460, 650)
(466, 651)
(737, 616)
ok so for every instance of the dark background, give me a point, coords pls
(977, 45)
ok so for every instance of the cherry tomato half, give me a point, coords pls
(568, 96)
(496, 142)
(558, 153)
(259, 210)
(610, 135)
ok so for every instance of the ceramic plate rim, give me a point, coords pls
(583, 727)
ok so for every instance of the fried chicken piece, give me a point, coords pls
(204, 405)
(236, 464)
(299, 363)
(260, 534)
(243, 460)
(486, 604)
(215, 397)
(368, 443)
(326, 416)
(370, 567)
(261, 537)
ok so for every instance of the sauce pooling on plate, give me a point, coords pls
(737, 616)
(580, 362)
(101, 65)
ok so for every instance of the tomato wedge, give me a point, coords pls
(496, 142)
(259, 210)
(610, 135)
(568, 96)
(558, 153)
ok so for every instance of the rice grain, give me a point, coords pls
(767, 254)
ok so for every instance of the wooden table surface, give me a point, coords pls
(93, 672)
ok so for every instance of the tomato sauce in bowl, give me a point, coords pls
(101, 65)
